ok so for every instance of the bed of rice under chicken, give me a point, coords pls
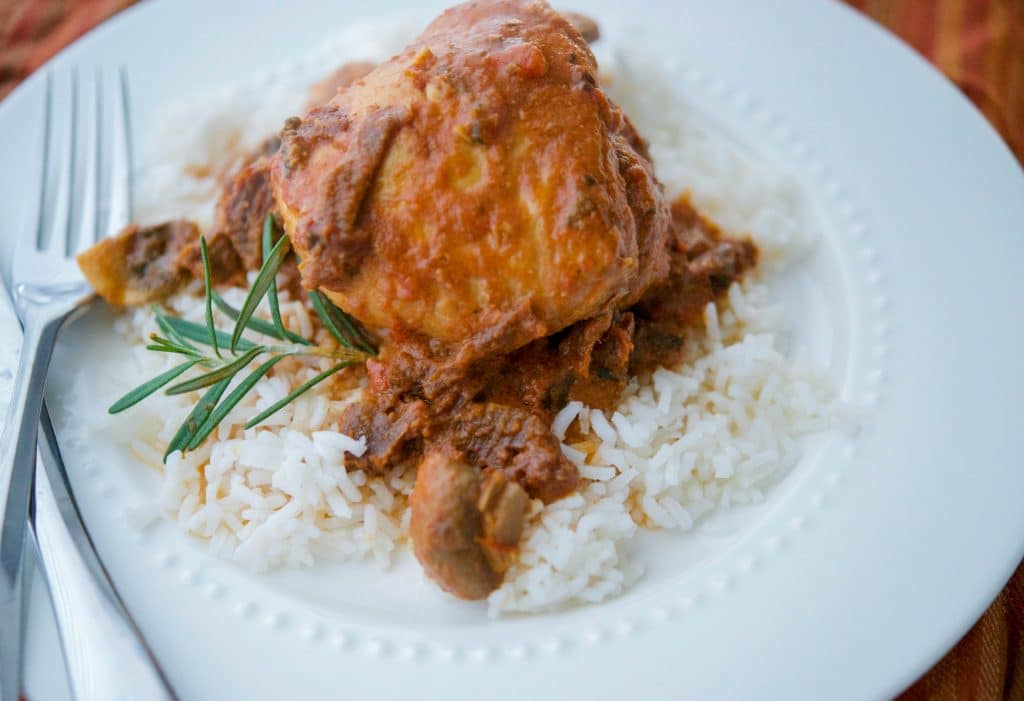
(714, 433)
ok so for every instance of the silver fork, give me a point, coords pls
(106, 657)
(47, 288)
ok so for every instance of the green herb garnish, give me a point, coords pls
(231, 353)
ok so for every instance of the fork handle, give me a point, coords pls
(107, 658)
(17, 456)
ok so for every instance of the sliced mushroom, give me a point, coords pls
(140, 264)
(502, 506)
(465, 524)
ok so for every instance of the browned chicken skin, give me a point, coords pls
(148, 264)
(342, 77)
(703, 263)
(479, 183)
(481, 198)
(587, 27)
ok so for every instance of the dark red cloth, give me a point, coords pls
(32, 31)
(978, 44)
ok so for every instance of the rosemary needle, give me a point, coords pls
(229, 354)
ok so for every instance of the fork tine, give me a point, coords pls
(92, 126)
(45, 146)
(121, 166)
(60, 227)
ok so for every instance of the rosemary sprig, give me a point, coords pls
(223, 356)
(177, 333)
(225, 371)
(275, 407)
(265, 279)
(198, 333)
(259, 325)
(146, 389)
(268, 249)
(218, 414)
(196, 418)
(339, 324)
(208, 286)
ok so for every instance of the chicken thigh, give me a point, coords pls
(479, 188)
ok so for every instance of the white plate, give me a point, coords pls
(869, 561)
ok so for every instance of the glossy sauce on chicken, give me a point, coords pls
(480, 202)
(479, 188)
(494, 413)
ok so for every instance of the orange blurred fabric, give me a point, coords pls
(32, 31)
(979, 44)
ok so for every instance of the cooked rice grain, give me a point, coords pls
(713, 434)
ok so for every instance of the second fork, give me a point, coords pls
(47, 287)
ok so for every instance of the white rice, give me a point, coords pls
(706, 437)
(710, 435)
